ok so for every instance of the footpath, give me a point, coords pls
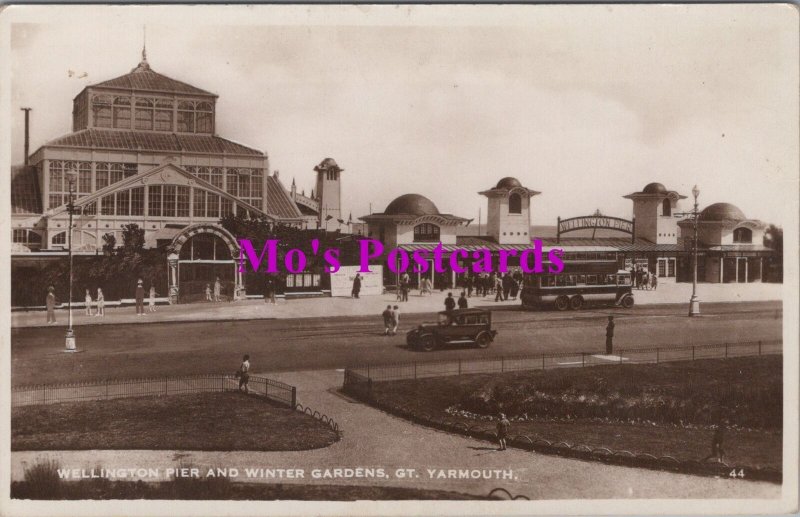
(374, 439)
(668, 292)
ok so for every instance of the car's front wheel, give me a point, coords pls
(427, 343)
(483, 340)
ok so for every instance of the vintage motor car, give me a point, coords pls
(454, 327)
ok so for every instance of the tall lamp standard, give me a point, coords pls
(694, 302)
(70, 338)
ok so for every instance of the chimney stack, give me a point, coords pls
(27, 133)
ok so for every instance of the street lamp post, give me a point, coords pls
(694, 302)
(70, 338)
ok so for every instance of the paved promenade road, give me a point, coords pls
(375, 439)
(174, 349)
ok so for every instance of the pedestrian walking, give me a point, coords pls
(217, 290)
(470, 285)
(462, 301)
(88, 301)
(507, 284)
(405, 285)
(395, 319)
(654, 282)
(50, 302)
(498, 289)
(610, 336)
(269, 292)
(243, 373)
(101, 303)
(716, 442)
(387, 320)
(449, 302)
(152, 301)
(633, 277)
(139, 298)
(503, 426)
(356, 286)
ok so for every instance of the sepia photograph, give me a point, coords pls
(399, 259)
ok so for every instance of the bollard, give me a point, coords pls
(294, 397)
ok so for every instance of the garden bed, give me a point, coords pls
(661, 410)
(205, 421)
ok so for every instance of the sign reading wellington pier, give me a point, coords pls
(593, 222)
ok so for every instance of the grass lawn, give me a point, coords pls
(219, 422)
(661, 409)
(225, 490)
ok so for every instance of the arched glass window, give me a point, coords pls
(144, 114)
(101, 107)
(514, 204)
(60, 238)
(666, 207)
(122, 112)
(204, 120)
(205, 246)
(186, 117)
(743, 235)
(163, 115)
(426, 232)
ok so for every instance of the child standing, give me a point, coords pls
(208, 292)
(88, 300)
(152, 307)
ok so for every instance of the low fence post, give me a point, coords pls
(294, 397)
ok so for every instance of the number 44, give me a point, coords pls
(736, 473)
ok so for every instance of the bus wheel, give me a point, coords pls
(576, 303)
(427, 342)
(562, 303)
(627, 302)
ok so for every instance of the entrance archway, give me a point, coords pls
(200, 255)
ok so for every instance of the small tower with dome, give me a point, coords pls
(653, 210)
(509, 215)
(329, 191)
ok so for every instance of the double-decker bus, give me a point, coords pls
(579, 285)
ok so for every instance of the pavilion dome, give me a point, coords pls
(722, 212)
(412, 204)
(508, 183)
(654, 188)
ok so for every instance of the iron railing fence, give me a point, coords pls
(500, 364)
(114, 388)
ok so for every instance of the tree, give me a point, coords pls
(132, 239)
(109, 244)
(773, 238)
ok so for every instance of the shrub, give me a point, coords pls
(42, 481)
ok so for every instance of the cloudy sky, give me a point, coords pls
(583, 103)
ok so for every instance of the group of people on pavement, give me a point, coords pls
(97, 306)
(391, 320)
(643, 279)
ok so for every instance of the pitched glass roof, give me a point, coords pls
(151, 141)
(25, 195)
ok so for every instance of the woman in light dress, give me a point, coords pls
(152, 298)
(101, 300)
